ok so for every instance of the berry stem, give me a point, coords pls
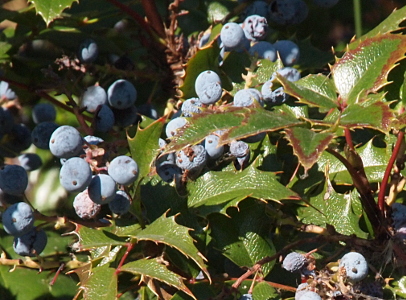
(153, 17)
(129, 248)
(384, 184)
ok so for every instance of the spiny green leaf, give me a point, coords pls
(216, 191)
(375, 159)
(102, 284)
(92, 238)
(308, 145)
(239, 122)
(165, 230)
(372, 114)
(314, 90)
(144, 145)
(243, 237)
(51, 9)
(263, 291)
(390, 24)
(151, 268)
(364, 70)
(343, 211)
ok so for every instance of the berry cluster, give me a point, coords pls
(337, 280)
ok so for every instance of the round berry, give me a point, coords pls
(43, 112)
(84, 207)
(120, 204)
(121, 94)
(232, 36)
(30, 244)
(102, 189)
(75, 174)
(355, 265)
(18, 219)
(123, 169)
(13, 179)
(192, 158)
(93, 97)
(294, 262)
(65, 142)
(88, 51)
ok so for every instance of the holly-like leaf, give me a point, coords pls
(263, 291)
(153, 269)
(343, 211)
(217, 191)
(92, 238)
(238, 122)
(242, 237)
(165, 230)
(144, 145)
(51, 9)
(390, 24)
(308, 145)
(369, 113)
(314, 90)
(102, 284)
(364, 70)
(375, 159)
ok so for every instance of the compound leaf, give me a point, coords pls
(237, 123)
(242, 237)
(216, 191)
(51, 9)
(152, 269)
(343, 211)
(314, 90)
(308, 145)
(165, 230)
(102, 284)
(364, 69)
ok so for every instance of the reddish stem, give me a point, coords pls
(153, 17)
(388, 171)
(348, 138)
(129, 248)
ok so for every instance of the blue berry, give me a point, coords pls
(13, 179)
(168, 171)
(41, 134)
(84, 207)
(19, 139)
(75, 174)
(30, 161)
(93, 97)
(93, 140)
(174, 125)
(213, 150)
(123, 169)
(18, 219)
(65, 142)
(282, 12)
(120, 204)
(255, 27)
(88, 51)
(43, 112)
(232, 36)
(288, 51)
(121, 94)
(191, 106)
(208, 87)
(241, 151)
(263, 50)
(257, 8)
(6, 121)
(355, 265)
(294, 262)
(102, 189)
(6, 92)
(125, 117)
(247, 97)
(192, 158)
(30, 244)
(301, 289)
(289, 73)
(246, 297)
(309, 295)
(104, 119)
